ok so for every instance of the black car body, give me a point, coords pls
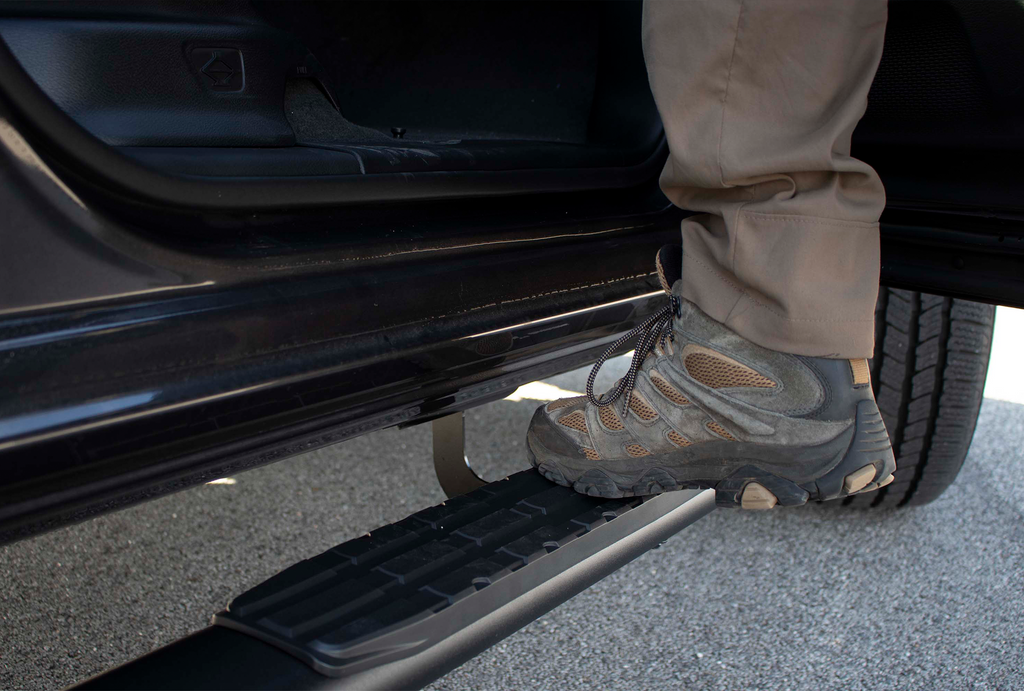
(180, 300)
(203, 269)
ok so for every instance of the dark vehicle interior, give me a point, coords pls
(411, 100)
(350, 91)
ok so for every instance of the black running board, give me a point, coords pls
(411, 601)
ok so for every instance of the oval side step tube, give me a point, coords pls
(409, 602)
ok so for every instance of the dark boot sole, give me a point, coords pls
(866, 464)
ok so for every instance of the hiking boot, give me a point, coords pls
(703, 407)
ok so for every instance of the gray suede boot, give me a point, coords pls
(704, 407)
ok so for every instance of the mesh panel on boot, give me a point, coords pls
(636, 451)
(719, 373)
(610, 419)
(678, 439)
(574, 420)
(564, 403)
(720, 431)
(667, 390)
(640, 408)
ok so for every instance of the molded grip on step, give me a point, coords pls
(405, 587)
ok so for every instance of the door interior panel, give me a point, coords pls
(272, 89)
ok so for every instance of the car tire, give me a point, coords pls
(928, 374)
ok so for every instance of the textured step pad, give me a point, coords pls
(337, 609)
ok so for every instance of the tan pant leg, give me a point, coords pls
(759, 99)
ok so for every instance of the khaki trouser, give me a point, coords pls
(759, 99)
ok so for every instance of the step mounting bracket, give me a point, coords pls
(453, 470)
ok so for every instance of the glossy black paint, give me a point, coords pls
(134, 365)
(135, 362)
(147, 347)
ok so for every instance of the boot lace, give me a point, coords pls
(656, 329)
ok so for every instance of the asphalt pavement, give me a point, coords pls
(808, 598)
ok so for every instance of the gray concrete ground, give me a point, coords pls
(810, 598)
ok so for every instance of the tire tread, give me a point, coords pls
(928, 373)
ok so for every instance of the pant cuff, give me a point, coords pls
(799, 285)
